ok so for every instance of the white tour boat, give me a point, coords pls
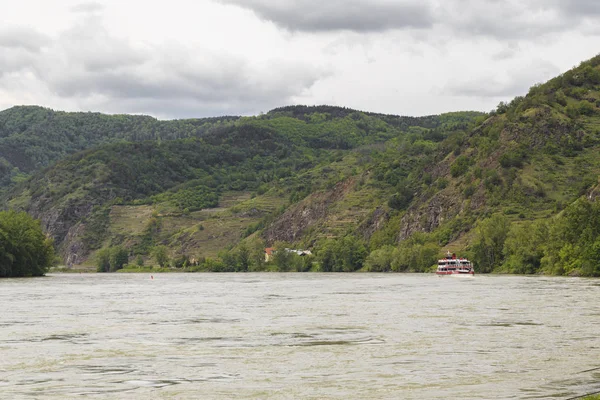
(454, 266)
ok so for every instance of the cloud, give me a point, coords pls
(516, 81)
(502, 20)
(497, 19)
(22, 38)
(334, 15)
(88, 66)
(87, 7)
(580, 8)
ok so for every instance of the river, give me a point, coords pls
(298, 336)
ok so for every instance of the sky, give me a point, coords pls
(200, 58)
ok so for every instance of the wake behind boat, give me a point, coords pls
(454, 266)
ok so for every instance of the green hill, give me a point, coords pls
(33, 137)
(513, 189)
(270, 161)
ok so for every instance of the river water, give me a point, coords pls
(298, 336)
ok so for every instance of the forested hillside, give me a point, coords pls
(508, 190)
(514, 189)
(270, 156)
(33, 137)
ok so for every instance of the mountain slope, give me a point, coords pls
(275, 156)
(33, 137)
(361, 190)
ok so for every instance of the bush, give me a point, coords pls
(513, 158)
(469, 190)
(341, 255)
(24, 249)
(111, 259)
(460, 166)
(380, 260)
(586, 108)
(160, 255)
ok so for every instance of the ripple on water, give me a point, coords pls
(106, 370)
(33, 381)
(194, 321)
(68, 337)
(508, 324)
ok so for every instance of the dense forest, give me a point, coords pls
(515, 189)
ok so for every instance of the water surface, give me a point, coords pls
(309, 336)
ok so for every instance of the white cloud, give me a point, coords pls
(332, 15)
(197, 58)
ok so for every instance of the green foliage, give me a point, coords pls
(344, 163)
(401, 199)
(418, 253)
(119, 256)
(248, 256)
(160, 254)
(36, 137)
(345, 254)
(573, 241)
(460, 166)
(139, 260)
(492, 179)
(381, 260)
(469, 190)
(111, 259)
(524, 247)
(387, 235)
(488, 246)
(103, 260)
(24, 249)
(190, 199)
(513, 158)
(182, 261)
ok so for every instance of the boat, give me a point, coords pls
(451, 265)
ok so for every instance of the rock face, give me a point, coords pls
(63, 224)
(73, 248)
(57, 221)
(444, 205)
(309, 212)
(373, 223)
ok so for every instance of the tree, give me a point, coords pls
(160, 255)
(489, 243)
(119, 256)
(573, 244)
(346, 254)
(243, 258)
(524, 247)
(282, 257)
(380, 260)
(24, 249)
(111, 259)
(103, 260)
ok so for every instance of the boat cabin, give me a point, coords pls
(453, 265)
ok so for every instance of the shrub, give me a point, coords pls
(460, 166)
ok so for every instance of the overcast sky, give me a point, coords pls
(196, 58)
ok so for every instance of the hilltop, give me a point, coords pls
(361, 190)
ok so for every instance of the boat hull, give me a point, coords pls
(455, 273)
